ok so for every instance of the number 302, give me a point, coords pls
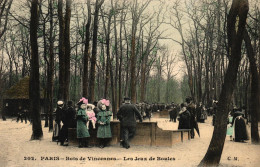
(29, 158)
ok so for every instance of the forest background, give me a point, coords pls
(151, 50)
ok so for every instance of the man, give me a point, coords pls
(193, 120)
(184, 120)
(173, 113)
(126, 116)
(67, 118)
(71, 115)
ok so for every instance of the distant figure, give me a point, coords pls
(184, 120)
(240, 133)
(20, 114)
(104, 130)
(173, 112)
(230, 128)
(148, 111)
(215, 104)
(201, 113)
(126, 116)
(26, 115)
(4, 112)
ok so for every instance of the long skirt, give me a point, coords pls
(56, 132)
(240, 130)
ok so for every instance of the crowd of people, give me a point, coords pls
(96, 116)
(85, 116)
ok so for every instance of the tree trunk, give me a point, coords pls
(133, 66)
(239, 9)
(92, 77)
(86, 54)
(61, 51)
(34, 85)
(254, 89)
(50, 69)
(66, 92)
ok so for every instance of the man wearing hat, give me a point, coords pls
(127, 116)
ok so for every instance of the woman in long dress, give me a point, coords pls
(240, 133)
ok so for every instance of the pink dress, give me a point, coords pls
(91, 116)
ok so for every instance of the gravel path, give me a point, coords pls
(16, 150)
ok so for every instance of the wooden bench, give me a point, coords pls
(147, 134)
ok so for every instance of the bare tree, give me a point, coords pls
(254, 88)
(5, 6)
(61, 51)
(136, 12)
(92, 78)
(34, 94)
(239, 9)
(67, 51)
(86, 53)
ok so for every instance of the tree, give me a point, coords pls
(5, 6)
(136, 14)
(237, 15)
(61, 51)
(254, 88)
(50, 74)
(86, 53)
(34, 85)
(67, 51)
(92, 78)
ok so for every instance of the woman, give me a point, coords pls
(240, 131)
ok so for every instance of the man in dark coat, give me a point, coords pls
(68, 119)
(193, 120)
(148, 111)
(71, 115)
(184, 121)
(173, 113)
(127, 117)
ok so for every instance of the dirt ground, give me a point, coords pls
(16, 150)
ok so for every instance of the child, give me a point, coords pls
(104, 130)
(91, 115)
(229, 127)
(82, 131)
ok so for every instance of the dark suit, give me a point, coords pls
(127, 116)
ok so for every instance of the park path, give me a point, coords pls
(16, 150)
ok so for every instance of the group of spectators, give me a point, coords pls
(99, 116)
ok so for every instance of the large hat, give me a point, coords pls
(82, 100)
